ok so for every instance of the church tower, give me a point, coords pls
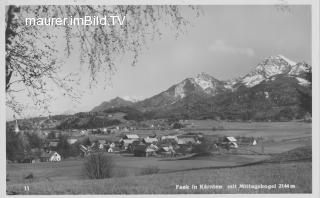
(16, 127)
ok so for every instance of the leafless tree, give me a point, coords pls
(99, 166)
(32, 60)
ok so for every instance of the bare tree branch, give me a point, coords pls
(31, 50)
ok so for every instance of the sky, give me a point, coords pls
(225, 42)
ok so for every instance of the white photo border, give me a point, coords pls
(315, 78)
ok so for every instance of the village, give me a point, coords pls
(154, 139)
(151, 147)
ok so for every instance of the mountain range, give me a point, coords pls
(275, 84)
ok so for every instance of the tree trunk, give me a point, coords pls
(9, 34)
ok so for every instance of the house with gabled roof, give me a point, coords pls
(130, 136)
(51, 156)
(183, 139)
(149, 140)
(171, 137)
(232, 141)
(142, 150)
(72, 140)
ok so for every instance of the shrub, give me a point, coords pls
(14, 145)
(86, 141)
(149, 170)
(29, 176)
(99, 166)
(34, 140)
(177, 125)
(63, 147)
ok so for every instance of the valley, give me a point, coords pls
(259, 121)
(277, 138)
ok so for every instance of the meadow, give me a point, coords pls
(297, 174)
(66, 177)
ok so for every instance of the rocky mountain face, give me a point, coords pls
(202, 85)
(270, 67)
(274, 83)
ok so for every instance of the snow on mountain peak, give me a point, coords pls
(204, 80)
(292, 63)
(269, 67)
(179, 90)
(303, 82)
(131, 98)
(274, 65)
(266, 69)
(299, 68)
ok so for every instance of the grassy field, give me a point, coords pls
(297, 174)
(125, 166)
(272, 130)
(289, 134)
(67, 177)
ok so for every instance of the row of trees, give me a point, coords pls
(88, 122)
(20, 145)
(67, 150)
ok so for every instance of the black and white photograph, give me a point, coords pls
(129, 98)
